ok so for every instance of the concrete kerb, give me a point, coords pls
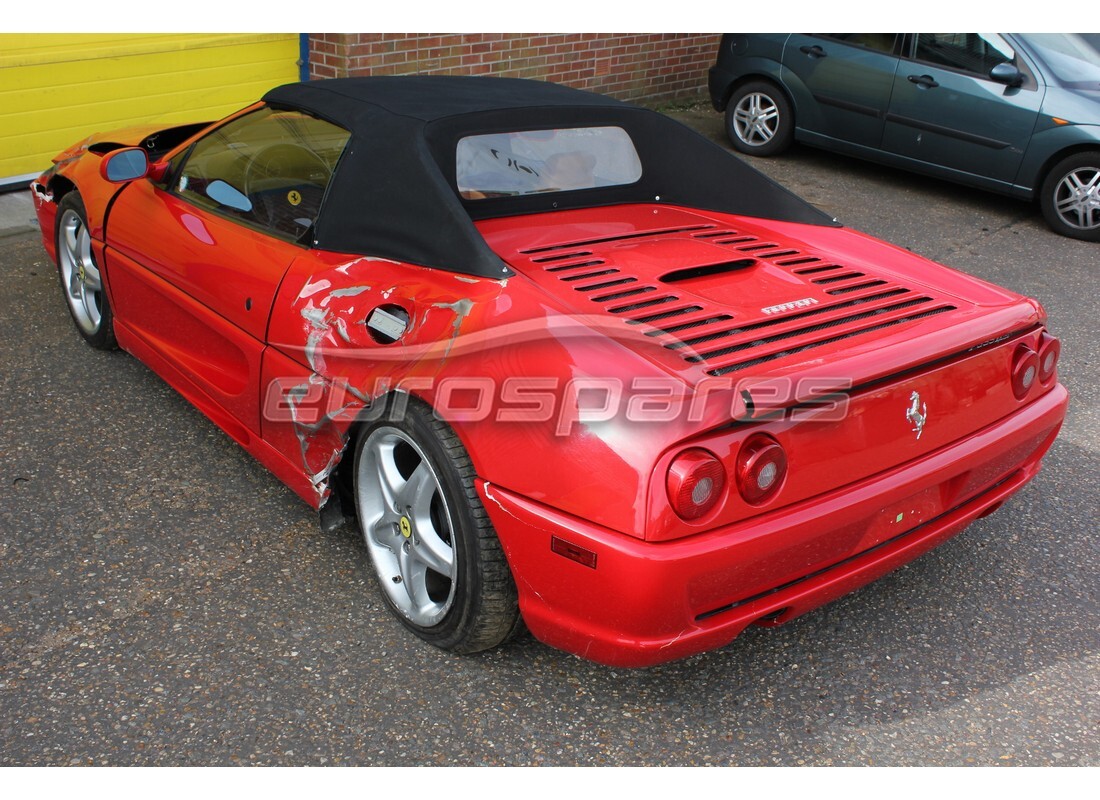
(17, 214)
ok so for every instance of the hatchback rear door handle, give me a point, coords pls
(924, 81)
(813, 51)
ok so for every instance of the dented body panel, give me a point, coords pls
(607, 342)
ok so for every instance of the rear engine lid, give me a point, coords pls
(715, 295)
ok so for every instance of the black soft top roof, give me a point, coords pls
(426, 98)
(393, 193)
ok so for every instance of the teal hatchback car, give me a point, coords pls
(1017, 114)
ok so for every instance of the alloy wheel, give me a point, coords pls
(407, 526)
(1077, 198)
(756, 119)
(80, 275)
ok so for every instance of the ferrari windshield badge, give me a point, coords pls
(917, 413)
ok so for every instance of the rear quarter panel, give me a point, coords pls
(468, 339)
(742, 56)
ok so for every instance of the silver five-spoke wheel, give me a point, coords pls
(80, 275)
(756, 119)
(441, 569)
(1070, 196)
(79, 272)
(759, 119)
(407, 526)
(1077, 198)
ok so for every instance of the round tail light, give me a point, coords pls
(761, 468)
(696, 482)
(1049, 351)
(1025, 370)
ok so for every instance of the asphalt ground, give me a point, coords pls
(166, 601)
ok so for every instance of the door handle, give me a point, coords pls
(924, 81)
(813, 51)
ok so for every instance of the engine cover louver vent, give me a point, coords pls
(683, 309)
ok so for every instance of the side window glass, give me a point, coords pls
(882, 42)
(268, 169)
(977, 53)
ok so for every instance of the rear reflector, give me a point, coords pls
(573, 552)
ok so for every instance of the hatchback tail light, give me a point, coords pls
(761, 468)
(1025, 369)
(1049, 351)
(696, 482)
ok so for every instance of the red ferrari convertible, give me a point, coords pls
(565, 362)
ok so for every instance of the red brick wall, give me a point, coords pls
(653, 66)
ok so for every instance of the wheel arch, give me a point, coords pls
(339, 507)
(59, 186)
(1044, 170)
(749, 77)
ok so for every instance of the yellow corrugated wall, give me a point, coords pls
(56, 89)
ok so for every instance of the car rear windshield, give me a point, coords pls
(552, 160)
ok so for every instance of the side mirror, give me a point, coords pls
(225, 195)
(123, 166)
(1007, 74)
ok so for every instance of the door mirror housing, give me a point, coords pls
(1007, 74)
(123, 166)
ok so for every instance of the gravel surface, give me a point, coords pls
(166, 601)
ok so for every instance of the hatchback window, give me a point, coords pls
(269, 169)
(557, 160)
(969, 52)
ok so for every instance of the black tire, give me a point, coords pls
(759, 119)
(80, 276)
(477, 604)
(1070, 196)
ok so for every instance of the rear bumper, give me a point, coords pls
(718, 84)
(646, 603)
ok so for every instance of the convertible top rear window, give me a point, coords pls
(549, 160)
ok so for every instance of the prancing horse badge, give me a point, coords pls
(917, 413)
